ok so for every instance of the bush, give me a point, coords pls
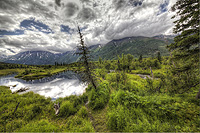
(83, 112)
(117, 119)
(33, 112)
(99, 98)
(66, 109)
(117, 98)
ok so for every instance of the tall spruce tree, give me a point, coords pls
(159, 57)
(185, 49)
(85, 58)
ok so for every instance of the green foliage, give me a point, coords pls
(159, 57)
(150, 84)
(100, 60)
(130, 112)
(135, 46)
(78, 124)
(99, 98)
(34, 110)
(140, 58)
(41, 126)
(117, 119)
(185, 49)
(102, 72)
(83, 112)
(67, 109)
(129, 102)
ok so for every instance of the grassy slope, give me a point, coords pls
(35, 113)
(126, 105)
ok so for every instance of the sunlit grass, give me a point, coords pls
(10, 71)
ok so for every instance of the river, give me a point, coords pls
(59, 85)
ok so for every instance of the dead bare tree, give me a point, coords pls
(85, 59)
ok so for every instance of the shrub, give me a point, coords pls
(83, 112)
(66, 109)
(117, 119)
(33, 112)
(100, 97)
(117, 98)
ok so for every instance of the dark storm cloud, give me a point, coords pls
(37, 8)
(86, 14)
(13, 12)
(5, 20)
(13, 43)
(119, 3)
(105, 20)
(6, 5)
(71, 9)
(85, 1)
(58, 2)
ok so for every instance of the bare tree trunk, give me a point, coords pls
(151, 73)
(16, 108)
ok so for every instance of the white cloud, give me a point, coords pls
(105, 20)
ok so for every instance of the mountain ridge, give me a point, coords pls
(146, 46)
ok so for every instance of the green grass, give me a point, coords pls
(123, 102)
(31, 74)
(35, 113)
(10, 71)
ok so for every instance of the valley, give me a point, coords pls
(125, 100)
(99, 66)
(145, 46)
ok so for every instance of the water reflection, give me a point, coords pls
(59, 85)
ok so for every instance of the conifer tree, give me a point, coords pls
(159, 57)
(84, 52)
(140, 58)
(185, 49)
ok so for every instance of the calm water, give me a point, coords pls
(60, 85)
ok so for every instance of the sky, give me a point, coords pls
(51, 25)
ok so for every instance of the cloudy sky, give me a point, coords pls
(51, 25)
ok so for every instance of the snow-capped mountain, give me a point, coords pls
(146, 46)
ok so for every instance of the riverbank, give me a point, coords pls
(34, 72)
(4, 72)
(59, 85)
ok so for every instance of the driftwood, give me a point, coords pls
(21, 90)
(56, 108)
(16, 108)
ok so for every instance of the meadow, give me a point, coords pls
(122, 102)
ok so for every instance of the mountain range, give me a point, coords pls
(145, 46)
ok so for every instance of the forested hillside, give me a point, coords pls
(145, 46)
